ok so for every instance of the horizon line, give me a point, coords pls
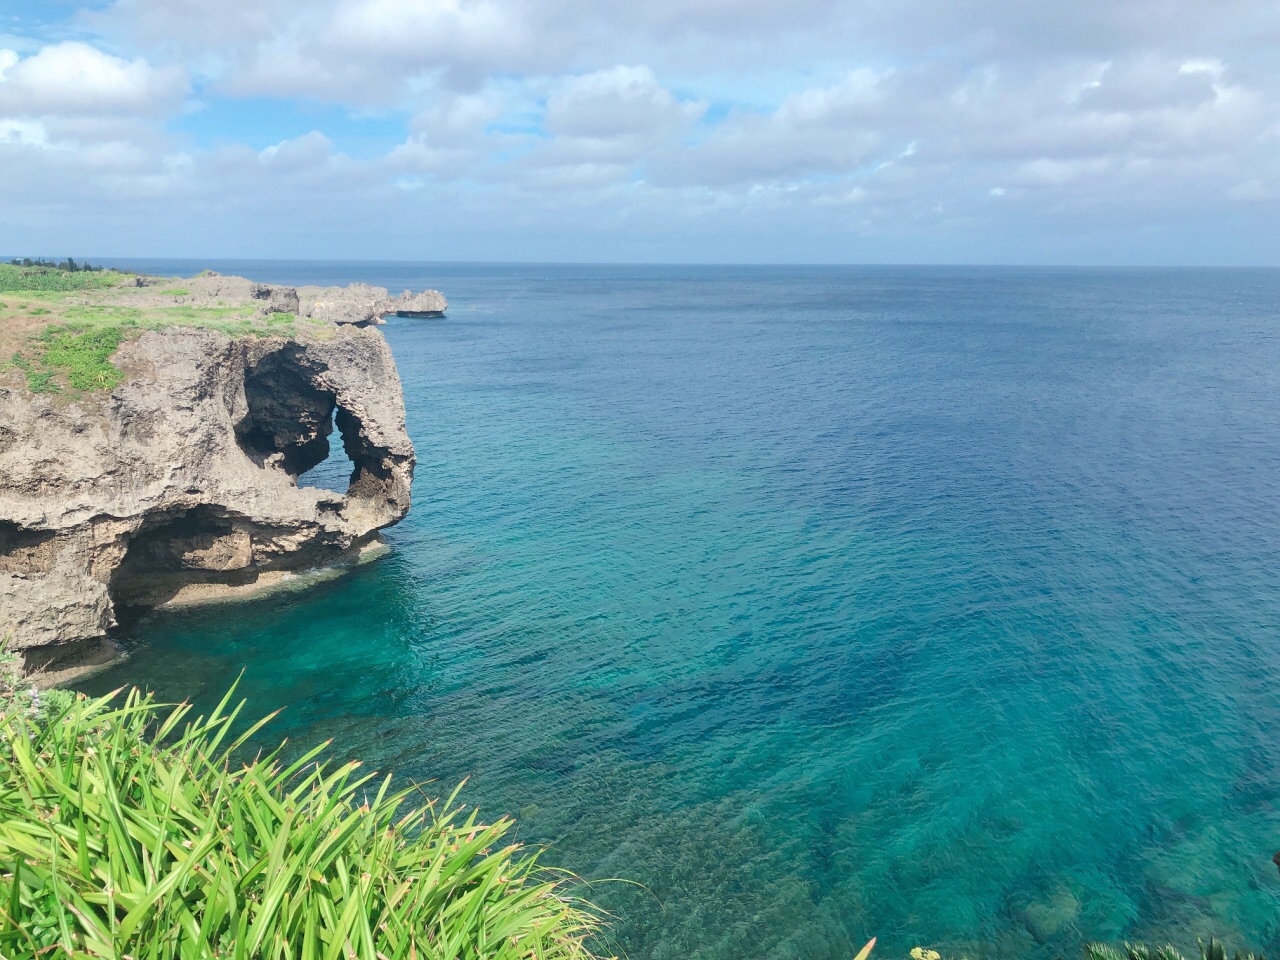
(105, 261)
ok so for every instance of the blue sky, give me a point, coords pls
(955, 131)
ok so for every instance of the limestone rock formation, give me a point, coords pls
(185, 477)
(429, 303)
(362, 305)
(358, 304)
(211, 289)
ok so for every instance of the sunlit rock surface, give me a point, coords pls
(182, 481)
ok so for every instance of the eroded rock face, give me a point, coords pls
(209, 289)
(429, 303)
(187, 474)
(362, 305)
(357, 304)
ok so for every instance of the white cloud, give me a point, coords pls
(75, 79)
(451, 138)
(300, 153)
(1212, 68)
(27, 132)
(735, 115)
(427, 33)
(1256, 191)
(382, 51)
(618, 102)
(851, 100)
(832, 129)
(1055, 173)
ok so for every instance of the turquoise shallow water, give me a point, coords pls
(941, 605)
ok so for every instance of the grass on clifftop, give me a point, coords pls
(128, 829)
(13, 278)
(82, 355)
(60, 329)
(77, 355)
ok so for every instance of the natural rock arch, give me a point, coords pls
(186, 475)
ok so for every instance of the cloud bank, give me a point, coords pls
(981, 130)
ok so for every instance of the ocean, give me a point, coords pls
(934, 604)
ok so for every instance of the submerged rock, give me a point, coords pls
(1047, 918)
(184, 477)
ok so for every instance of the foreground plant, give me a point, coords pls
(17, 691)
(1213, 950)
(134, 831)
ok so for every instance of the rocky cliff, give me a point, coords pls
(182, 481)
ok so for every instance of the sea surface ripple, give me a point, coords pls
(936, 604)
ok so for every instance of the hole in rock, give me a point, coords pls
(336, 471)
(289, 418)
(290, 422)
(24, 551)
(202, 544)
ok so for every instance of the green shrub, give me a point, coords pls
(128, 830)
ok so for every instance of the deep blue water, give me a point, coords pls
(937, 604)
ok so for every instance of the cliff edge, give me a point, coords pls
(181, 481)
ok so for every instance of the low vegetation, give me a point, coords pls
(52, 278)
(132, 830)
(76, 356)
(18, 694)
(60, 328)
(68, 264)
(82, 355)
